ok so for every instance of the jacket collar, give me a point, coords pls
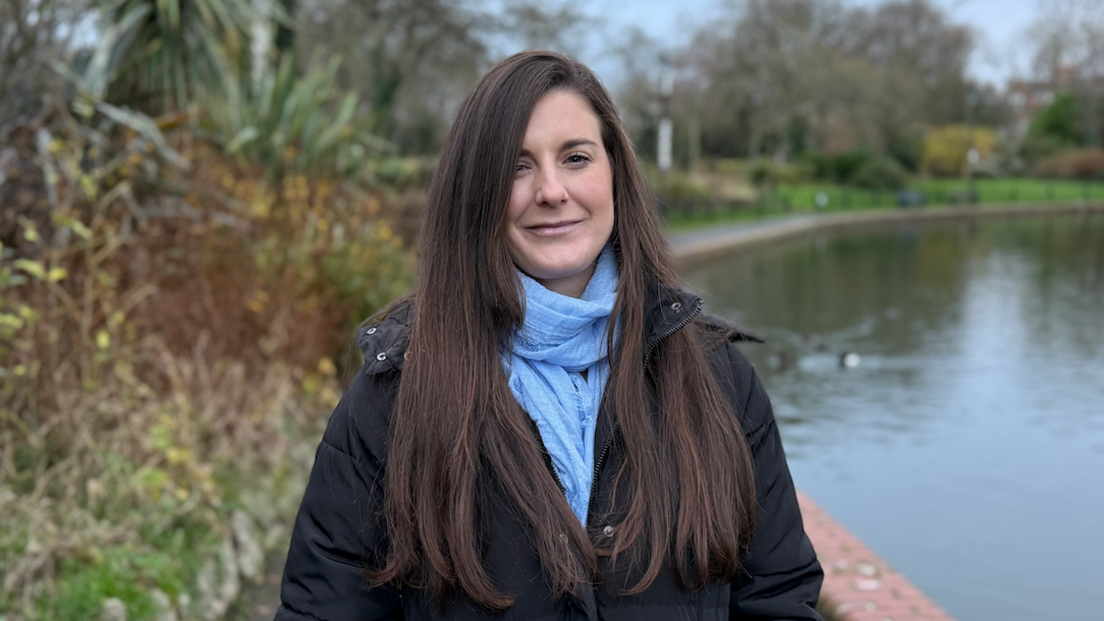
(667, 309)
(384, 342)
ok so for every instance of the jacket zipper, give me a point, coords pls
(617, 426)
(547, 456)
(551, 466)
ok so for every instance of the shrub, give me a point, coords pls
(170, 332)
(762, 172)
(729, 166)
(836, 167)
(766, 172)
(945, 149)
(1072, 164)
(1062, 121)
(882, 173)
(402, 174)
(906, 150)
(168, 336)
(1034, 147)
(675, 188)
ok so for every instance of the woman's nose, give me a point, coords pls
(550, 190)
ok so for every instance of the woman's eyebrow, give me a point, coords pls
(577, 142)
(568, 144)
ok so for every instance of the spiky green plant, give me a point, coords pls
(164, 51)
(290, 123)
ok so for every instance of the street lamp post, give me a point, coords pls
(972, 154)
(666, 127)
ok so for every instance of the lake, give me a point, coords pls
(967, 445)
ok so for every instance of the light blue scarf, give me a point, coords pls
(560, 338)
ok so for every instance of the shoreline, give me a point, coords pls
(711, 242)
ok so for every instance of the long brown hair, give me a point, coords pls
(455, 423)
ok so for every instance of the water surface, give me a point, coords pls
(967, 447)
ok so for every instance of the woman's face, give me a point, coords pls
(561, 205)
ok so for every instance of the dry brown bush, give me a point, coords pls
(1072, 164)
(165, 334)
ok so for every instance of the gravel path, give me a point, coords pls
(714, 234)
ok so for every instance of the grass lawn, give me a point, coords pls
(801, 198)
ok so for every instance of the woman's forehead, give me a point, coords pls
(562, 119)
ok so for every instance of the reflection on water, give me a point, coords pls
(967, 445)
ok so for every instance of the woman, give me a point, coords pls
(548, 428)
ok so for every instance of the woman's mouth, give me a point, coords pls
(553, 228)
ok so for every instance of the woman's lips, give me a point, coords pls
(553, 228)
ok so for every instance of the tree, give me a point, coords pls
(32, 32)
(759, 74)
(1067, 38)
(636, 93)
(1068, 56)
(914, 38)
(412, 61)
(1063, 121)
(782, 76)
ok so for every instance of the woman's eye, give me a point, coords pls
(577, 158)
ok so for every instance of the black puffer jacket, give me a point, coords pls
(337, 527)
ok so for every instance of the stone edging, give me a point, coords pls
(859, 586)
(729, 239)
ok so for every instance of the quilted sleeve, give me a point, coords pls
(338, 529)
(780, 577)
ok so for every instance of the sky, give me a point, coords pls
(1000, 26)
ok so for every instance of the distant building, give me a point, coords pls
(1027, 97)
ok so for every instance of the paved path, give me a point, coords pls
(699, 245)
(736, 230)
(858, 584)
(709, 242)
